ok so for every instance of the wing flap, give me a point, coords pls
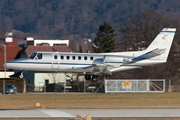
(98, 69)
(156, 52)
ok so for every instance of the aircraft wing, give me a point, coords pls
(100, 67)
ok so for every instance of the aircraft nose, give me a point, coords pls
(5, 65)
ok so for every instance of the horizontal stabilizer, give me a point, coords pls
(155, 52)
(148, 55)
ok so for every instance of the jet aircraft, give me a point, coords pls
(93, 64)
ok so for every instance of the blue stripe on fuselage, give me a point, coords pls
(50, 63)
(69, 63)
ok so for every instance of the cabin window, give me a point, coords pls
(62, 57)
(91, 58)
(55, 56)
(39, 55)
(33, 56)
(79, 57)
(73, 57)
(67, 57)
(85, 58)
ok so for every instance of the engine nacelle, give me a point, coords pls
(113, 61)
(127, 61)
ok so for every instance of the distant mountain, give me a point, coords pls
(58, 19)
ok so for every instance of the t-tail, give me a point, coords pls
(161, 45)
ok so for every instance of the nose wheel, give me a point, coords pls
(21, 75)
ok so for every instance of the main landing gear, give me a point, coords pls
(94, 78)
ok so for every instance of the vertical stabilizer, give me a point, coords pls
(163, 41)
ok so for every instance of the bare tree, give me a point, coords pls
(2, 32)
(54, 77)
(144, 27)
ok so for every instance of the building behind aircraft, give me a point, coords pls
(29, 46)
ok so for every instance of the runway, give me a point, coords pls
(95, 113)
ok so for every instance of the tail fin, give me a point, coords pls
(163, 41)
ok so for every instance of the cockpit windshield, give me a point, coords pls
(36, 56)
(32, 56)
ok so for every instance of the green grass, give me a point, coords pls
(77, 101)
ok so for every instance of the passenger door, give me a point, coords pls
(55, 61)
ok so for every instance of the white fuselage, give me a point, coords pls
(76, 62)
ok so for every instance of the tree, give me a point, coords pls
(2, 32)
(104, 41)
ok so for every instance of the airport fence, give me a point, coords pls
(100, 86)
(68, 87)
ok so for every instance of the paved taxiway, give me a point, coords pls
(95, 113)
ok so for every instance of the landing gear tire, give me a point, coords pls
(94, 78)
(87, 77)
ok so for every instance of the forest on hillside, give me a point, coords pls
(72, 19)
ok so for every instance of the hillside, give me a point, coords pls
(62, 19)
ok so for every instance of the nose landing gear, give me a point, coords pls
(21, 75)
